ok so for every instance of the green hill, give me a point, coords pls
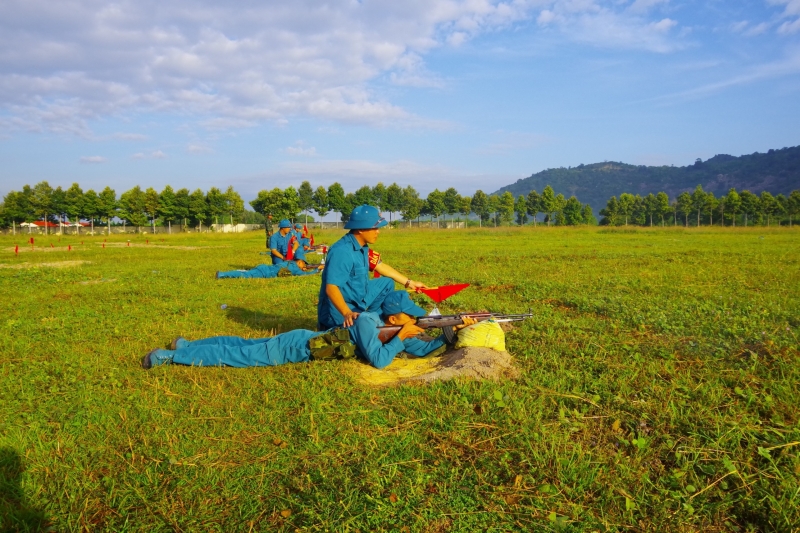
(777, 171)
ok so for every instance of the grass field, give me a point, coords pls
(659, 391)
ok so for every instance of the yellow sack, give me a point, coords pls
(484, 334)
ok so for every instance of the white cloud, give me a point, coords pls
(64, 65)
(199, 149)
(300, 149)
(643, 6)
(789, 27)
(758, 29)
(787, 66)
(611, 24)
(158, 154)
(792, 9)
(130, 136)
(738, 27)
(93, 159)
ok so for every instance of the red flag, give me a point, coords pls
(104, 245)
(290, 250)
(305, 231)
(51, 245)
(129, 243)
(31, 241)
(16, 249)
(147, 241)
(69, 247)
(440, 294)
(311, 243)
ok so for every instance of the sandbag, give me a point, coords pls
(484, 334)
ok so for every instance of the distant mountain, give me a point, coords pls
(777, 171)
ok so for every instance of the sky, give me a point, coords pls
(471, 94)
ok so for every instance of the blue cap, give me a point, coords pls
(284, 224)
(399, 302)
(365, 217)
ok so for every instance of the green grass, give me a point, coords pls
(659, 390)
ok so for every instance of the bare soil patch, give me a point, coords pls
(469, 363)
(56, 264)
(141, 245)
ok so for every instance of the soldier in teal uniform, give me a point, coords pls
(296, 267)
(294, 346)
(346, 289)
(279, 242)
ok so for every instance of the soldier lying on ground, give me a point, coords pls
(296, 267)
(302, 345)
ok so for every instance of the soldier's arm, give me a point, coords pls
(385, 270)
(336, 298)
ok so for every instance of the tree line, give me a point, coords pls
(493, 209)
(700, 207)
(137, 207)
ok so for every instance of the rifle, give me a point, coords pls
(446, 323)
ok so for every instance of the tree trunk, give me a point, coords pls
(169, 227)
(711, 218)
(14, 227)
(46, 231)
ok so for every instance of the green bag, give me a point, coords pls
(333, 344)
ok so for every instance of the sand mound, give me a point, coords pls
(471, 363)
(58, 264)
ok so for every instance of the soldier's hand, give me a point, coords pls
(466, 321)
(416, 285)
(349, 318)
(409, 329)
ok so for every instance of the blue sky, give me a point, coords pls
(432, 93)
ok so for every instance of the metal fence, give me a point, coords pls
(213, 228)
(129, 230)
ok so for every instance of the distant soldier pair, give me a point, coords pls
(288, 250)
